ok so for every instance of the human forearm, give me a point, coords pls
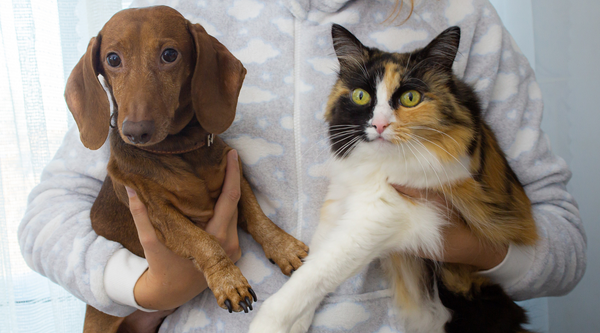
(56, 236)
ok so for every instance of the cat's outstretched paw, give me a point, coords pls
(303, 324)
(270, 320)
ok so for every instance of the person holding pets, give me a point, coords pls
(280, 135)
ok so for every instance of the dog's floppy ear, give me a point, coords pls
(216, 82)
(87, 100)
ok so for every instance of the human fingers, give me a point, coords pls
(170, 280)
(226, 206)
(146, 232)
(408, 191)
(232, 246)
(421, 194)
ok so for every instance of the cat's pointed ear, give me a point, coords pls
(443, 49)
(349, 50)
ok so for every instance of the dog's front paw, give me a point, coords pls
(285, 251)
(231, 289)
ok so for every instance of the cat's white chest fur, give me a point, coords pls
(410, 165)
(362, 182)
(364, 218)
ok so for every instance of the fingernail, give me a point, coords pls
(235, 154)
(130, 192)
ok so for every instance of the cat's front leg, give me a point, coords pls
(303, 324)
(347, 248)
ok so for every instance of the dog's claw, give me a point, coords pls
(244, 306)
(253, 294)
(228, 305)
(271, 260)
(249, 303)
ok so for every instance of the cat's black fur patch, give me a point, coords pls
(489, 311)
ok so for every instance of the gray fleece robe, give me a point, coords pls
(281, 137)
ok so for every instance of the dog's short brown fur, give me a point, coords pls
(175, 171)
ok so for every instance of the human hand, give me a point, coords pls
(223, 225)
(460, 244)
(171, 280)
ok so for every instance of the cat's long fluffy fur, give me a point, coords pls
(440, 144)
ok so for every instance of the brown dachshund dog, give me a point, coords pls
(172, 87)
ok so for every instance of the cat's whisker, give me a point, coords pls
(344, 125)
(349, 150)
(340, 129)
(424, 172)
(346, 149)
(348, 144)
(435, 130)
(448, 211)
(333, 143)
(337, 129)
(337, 133)
(404, 154)
(342, 137)
(430, 165)
(335, 136)
(344, 134)
(442, 148)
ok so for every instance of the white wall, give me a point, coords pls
(567, 51)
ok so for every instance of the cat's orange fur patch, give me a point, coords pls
(337, 91)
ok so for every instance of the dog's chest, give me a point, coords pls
(186, 182)
(195, 189)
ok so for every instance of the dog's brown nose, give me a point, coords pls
(138, 131)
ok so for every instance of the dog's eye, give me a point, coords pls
(169, 55)
(113, 59)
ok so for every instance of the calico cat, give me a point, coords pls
(407, 119)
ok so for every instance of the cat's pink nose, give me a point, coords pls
(380, 125)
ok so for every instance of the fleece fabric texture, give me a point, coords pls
(281, 137)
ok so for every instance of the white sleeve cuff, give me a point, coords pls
(122, 271)
(513, 268)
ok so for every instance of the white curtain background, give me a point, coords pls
(41, 40)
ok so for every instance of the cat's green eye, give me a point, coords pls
(410, 98)
(360, 97)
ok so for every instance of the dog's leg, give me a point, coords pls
(180, 235)
(349, 247)
(97, 321)
(140, 321)
(280, 247)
